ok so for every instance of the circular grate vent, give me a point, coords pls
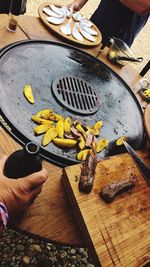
(76, 94)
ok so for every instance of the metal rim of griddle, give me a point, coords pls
(21, 138)
(76, 94)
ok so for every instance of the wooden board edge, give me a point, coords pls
(79, 219)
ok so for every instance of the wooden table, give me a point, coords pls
(51, 216)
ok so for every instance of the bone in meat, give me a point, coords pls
(88, 173)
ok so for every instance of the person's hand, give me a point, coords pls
(76, 5)
(18, 194)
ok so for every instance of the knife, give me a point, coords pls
(145, 170)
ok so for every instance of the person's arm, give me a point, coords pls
(17, 194)
(140, 7)
(76, 5)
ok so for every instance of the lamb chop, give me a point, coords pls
(88, 172)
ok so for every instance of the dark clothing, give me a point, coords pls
(19, 6)
(114, 19)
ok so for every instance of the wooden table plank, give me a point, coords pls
(7, 37)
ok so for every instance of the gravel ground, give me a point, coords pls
(19, 250)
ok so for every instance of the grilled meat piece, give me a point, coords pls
(87, 173)
(109, 192)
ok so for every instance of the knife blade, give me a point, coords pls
(143, 168)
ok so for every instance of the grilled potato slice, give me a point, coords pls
(98, 125)
(81, 142)
(65, 143)
(28, 93)
(102, 143)
(49, 136)
(41, 121)
(119, 141)
(82, 155)
(40, 129)
(79, 127)
(44, 114)
(67, 125)
(60, 128)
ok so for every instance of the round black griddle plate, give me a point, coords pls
(39, 63)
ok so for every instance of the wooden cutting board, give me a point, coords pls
(117, 234)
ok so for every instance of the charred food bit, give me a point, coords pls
(87, 173)
(109, 192)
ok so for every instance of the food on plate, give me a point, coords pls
(87, 22)
(51, 13)
(49, 136)
(65, 143)
(74, 24)
(111, 190)
(88, 168)
(57, 10)
(77, 16)
(56, 21)
(66, 29)
(28, 93)
(86, 34)
(75, 32)
(87, 29)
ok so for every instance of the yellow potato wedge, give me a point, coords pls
(67, 125)
(79, 127)
(40, 129)
(44, 113)
(41, 121)
(81, 142)
(60, 128)
(28, 93)
(119, 141)
(82, 155)
(98, 125)
(49, 136)
(64, 143)
(102, 143)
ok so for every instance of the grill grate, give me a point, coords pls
(76, 94)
